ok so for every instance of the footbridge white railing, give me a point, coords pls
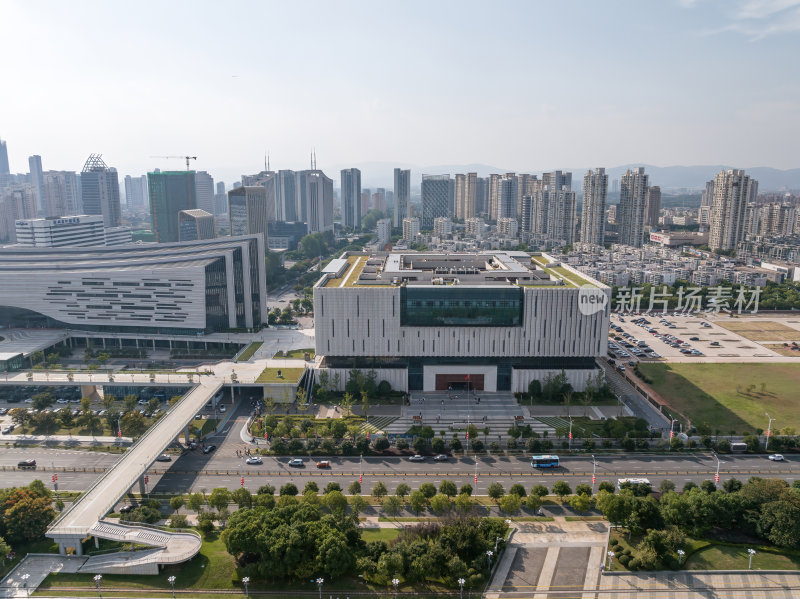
(77, 520)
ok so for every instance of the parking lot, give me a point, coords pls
(677, 336)
(150, 401)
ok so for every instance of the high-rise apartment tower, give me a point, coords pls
(593, 214)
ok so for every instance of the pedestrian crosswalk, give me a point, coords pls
(454, 412)
(376, 425)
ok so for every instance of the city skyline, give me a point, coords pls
(682, 46)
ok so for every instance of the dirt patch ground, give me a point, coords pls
(760, 330)
(784, 350)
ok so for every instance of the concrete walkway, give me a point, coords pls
(544, 558)
(66, 439)
(37, 567)
(741, 584)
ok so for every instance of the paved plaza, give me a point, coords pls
(550, 559)
(561, 559)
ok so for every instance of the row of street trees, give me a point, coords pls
(128, 417)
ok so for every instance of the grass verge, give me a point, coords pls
(288, 375)
(294, 354)
(379, 534)
(249, 351)
(735, 557)
(729, 397)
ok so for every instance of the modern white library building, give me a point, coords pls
(489, 321)
(188, 288)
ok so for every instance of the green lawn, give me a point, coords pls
(726, 557)
(717, 393)
(212, 568)
(288, 375)
(206, 425)
(570, 276)
(248, 353)
(295, 354)
(22, 549)
(708, 555)
(379, 534)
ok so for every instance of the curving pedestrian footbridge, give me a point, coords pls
(84, 518)
(164, 547)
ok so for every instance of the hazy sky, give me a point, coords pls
(527, 85)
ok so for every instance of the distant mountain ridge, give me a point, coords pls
(381, 174)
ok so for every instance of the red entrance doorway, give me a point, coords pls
(459, 381)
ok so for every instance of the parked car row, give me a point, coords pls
(640, 348)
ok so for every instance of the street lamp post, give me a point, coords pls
(570, 434)
(246, 583)
(594, 472)
(610, 559)
(461, 582)
(671, 432)
(97, 580)
(769, 431)
(171, 581)
(25, 578)
(395, 582)
(716, 474)
(489, 555)
(319, 586)
(496, 541)
(751, 552)
(681, 553)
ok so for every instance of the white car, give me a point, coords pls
(254, 460)
(776, 457)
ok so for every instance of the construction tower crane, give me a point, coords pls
(187, 158)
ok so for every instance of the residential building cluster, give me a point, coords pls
(625, 266)
(287, 196)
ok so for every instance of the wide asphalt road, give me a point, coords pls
(195, 471)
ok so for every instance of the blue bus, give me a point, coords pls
(544, 461)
